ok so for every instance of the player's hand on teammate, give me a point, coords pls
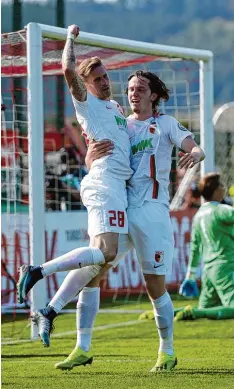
(73, 29)
(188, 160)
(98, 149)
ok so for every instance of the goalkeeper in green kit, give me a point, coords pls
(212, 240)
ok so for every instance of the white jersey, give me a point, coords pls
(152, 142)
(101, 119)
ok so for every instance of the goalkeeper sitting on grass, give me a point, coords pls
(213, 240)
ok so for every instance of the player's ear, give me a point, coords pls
(153, 97)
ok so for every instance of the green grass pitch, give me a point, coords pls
(123, 355)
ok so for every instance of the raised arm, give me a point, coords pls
(74, 82)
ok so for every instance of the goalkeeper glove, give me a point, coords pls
(189, 289)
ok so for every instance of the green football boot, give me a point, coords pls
(185, 314)
(77, 357)
(147, 315)
(164, 362)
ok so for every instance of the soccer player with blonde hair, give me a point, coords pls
(103, 190)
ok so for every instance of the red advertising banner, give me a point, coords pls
(68, 230)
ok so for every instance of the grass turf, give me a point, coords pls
(123, 356)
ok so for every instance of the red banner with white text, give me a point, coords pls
(68, 230)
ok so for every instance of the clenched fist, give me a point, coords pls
(73, 29)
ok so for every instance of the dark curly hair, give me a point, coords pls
(208, 184)
(156, 86)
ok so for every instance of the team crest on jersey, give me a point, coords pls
(181, 127)
(158, 256)
(153, 127)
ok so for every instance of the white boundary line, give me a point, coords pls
(6, 310)
(60, 334)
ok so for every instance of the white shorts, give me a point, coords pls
(106, 203)
(151, 232)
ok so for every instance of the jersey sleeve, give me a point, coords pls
(80, 106)
(177, 132)
(195, 246)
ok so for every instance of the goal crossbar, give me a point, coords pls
(129, 45)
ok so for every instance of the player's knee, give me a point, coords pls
(155, 285)
(110, 255)
(95, 269)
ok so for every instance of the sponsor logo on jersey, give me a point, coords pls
(121, 122)
(158, 256)
(142, 145)
(108, 107)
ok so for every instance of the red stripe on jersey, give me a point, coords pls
(153, 176)
(85, 138)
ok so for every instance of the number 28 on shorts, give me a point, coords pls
(116, 218)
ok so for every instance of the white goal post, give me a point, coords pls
(35, 34)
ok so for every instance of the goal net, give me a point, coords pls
(42, 166)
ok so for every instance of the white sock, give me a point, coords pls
(72, 284)
(164, 315)
(75, 259)
(87, 310)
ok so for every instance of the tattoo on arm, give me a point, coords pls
(74, 82)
